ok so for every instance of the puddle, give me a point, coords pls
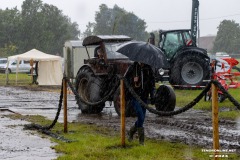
(18, 144)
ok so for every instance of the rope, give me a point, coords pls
(225, 92)
(45, 129)
(163, 113)
(188, 106)
(152, 110)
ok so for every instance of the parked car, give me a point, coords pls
(3, 63)
(24, 66)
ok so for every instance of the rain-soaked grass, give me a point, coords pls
(22, 79)
(94, 142)
(226, 108)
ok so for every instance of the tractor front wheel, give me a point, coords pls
(165, 98)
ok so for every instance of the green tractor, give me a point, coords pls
(189, 64)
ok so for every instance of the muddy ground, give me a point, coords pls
(193, 127)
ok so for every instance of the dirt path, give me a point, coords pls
(192, 127)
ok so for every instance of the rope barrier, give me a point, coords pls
(225, 92)
(36, 126)
(164, 113)
(152, 110)
(45, 129)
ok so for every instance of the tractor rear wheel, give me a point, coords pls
(88, 87)
(190, 69)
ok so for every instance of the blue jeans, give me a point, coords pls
(140, 111)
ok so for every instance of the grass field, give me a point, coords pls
(22, 79)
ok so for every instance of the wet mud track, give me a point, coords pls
(193, 127)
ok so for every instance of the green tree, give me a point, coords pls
(45, 27)
(228, 37)
(38, 25)
(117, 21)
(9, 31)
(89, 30)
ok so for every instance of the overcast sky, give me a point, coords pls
(158, 14)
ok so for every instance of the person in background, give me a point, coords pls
(98, 52)
(140, 76)
(151, 40)
(35, 73)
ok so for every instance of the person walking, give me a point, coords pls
(140, 77)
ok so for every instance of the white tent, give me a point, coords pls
(49, 66)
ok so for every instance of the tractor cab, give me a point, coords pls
(172, 41)
(105, 57)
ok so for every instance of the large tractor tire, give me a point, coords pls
(190, 69)
(129, 109)
(88, 87)
(165, 98)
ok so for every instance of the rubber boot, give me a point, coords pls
(141, 135)
(131, 132)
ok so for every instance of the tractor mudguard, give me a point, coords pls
(190, 50)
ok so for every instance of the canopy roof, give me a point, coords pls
(95, 40)
(35, 55)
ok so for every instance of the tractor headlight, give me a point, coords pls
(161, 71)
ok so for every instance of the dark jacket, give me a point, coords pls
(145, 84)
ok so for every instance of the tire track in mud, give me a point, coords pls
(188, 128)
(196, 133)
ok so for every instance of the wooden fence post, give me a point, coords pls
(215, 115)
(65, 105)
(122, 100)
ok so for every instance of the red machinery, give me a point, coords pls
(224, 74)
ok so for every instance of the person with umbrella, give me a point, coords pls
(140, 77)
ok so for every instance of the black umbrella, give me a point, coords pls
(144, 52)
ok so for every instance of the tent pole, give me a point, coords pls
(17, 71)
(7, 78)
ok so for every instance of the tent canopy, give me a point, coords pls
(35, 55)
(49, 67)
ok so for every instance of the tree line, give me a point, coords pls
(44, 27)
(38, 25)
(228, 37)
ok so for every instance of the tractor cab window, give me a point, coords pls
(171, 43)
(187, 39)
(111, 51)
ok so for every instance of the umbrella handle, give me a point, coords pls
(136, 83)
